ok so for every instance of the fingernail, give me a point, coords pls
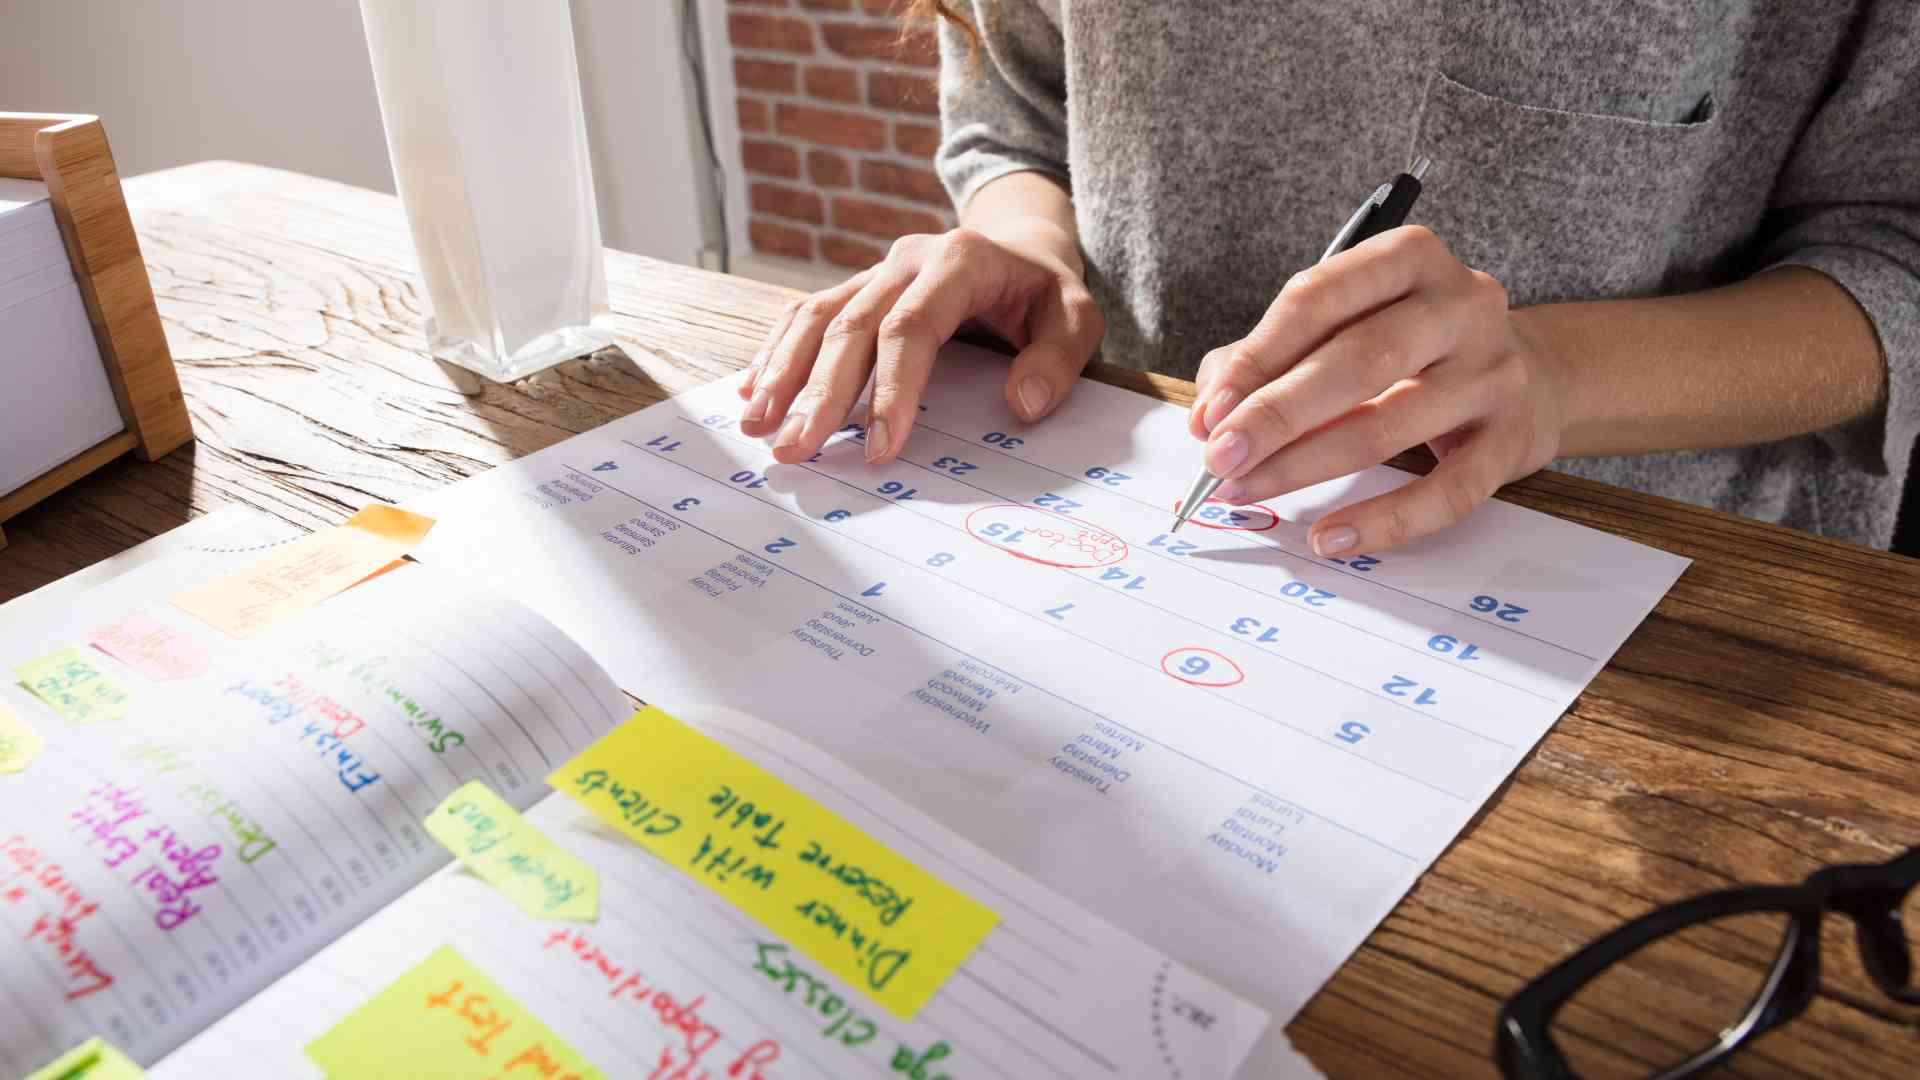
(1218, 407)
(757, 408)
(1335, 540)
(1227, 453)
(790, 431)
(1231, 491)
(1034, 395)
(878, 441)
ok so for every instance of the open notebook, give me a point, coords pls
(214, 864)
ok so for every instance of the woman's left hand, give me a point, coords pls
(1391, 344)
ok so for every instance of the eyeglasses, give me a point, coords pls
(1630, 1029)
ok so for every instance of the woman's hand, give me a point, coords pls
(1023, 282)
(1376, 350)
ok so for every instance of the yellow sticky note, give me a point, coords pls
(95, 1059)
(19, 743)
(444, 1020)
(821, 884)
(305, 572)
(76, 688)
(495, 842)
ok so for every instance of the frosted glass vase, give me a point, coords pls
(481, 100)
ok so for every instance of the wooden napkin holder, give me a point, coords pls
(69, 154)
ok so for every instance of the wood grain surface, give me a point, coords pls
(1759, 725)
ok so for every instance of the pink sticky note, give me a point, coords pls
(150, 647)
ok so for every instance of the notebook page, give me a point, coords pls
(159, 868)
(1053, 992)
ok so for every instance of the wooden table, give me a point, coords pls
(1760, 724)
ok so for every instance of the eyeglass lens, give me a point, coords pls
(1671, 999)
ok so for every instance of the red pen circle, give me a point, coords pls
(1272, 518)
(1238, 675)
(1039, 535)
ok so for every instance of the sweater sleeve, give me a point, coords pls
(1003, 106)
(1848, 205)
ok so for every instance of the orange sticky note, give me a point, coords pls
(305, 572)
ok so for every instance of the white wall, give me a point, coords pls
(287, 83)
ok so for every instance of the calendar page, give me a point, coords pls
(1239, 751)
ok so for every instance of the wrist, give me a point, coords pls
(1037, 237)
(1550, 368)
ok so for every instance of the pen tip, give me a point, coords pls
(1177, 522)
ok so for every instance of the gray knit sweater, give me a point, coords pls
(1582, 150)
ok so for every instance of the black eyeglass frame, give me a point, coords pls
(1871, 895)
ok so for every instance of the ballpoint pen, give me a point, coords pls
(1385, 209)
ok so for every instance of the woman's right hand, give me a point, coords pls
(890, 321)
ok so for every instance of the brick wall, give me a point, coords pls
(839, 117)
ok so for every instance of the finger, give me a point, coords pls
(1442, 399)
(791, 358)
(1318, 301)
(1454, 489)
(774, 334)
(844, 361)
(1362, 360)
(943, 296)
(1203, 380)
(1066, 330)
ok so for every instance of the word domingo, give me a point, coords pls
(1043, 536)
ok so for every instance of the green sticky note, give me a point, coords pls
(95, 1059)
(444, 1020)
(74, 686)
(507, 852)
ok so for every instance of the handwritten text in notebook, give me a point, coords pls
(76, 687)
(866, 914)
(158, 869)
(305, 572)
(445, 1020)
(497, 844)
(151, 647)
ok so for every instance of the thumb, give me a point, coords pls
(1066, 330)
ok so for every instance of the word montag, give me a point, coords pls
(305, 572)
(825, 887)
(444, 1020)
(150, 647)
(507, 852)
(95, 1059)
(69, 682)
(19, 743)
